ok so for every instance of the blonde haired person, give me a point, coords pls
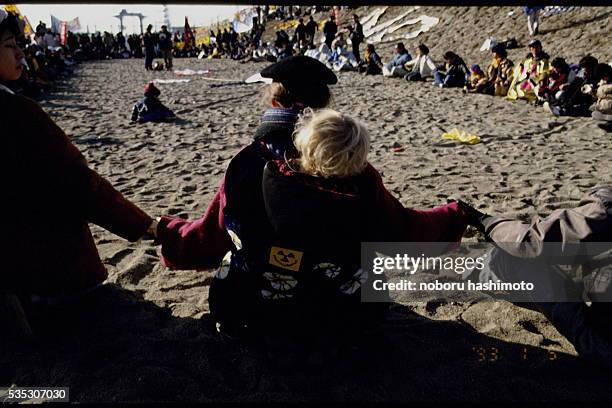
(321, 205)
(331, 144)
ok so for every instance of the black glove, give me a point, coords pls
(475, 218)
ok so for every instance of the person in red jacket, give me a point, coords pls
(51, 194)
(237, 230)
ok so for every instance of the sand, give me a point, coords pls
(148, 335)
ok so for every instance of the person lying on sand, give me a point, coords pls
(526, 252)
(150, 108)
(52, 196)
(237, 231)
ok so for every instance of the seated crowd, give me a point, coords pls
(563, 89)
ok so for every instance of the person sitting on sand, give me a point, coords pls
(602, 109)
(422, 67)
(235, 229)
(579, 94)
(456, 72)
(532, 251)
(477, 79)
(561, 74)
(397, 62)
(150, 108)
(530, 73)
(51, 257)
(500, 73)
(371, 64)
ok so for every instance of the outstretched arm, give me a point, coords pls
(198, 244)
(62, 172)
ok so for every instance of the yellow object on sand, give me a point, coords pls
(461, 136)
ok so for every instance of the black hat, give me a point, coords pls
(300, 70)
(534, 43)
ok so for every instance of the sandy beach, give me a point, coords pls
(148, 335)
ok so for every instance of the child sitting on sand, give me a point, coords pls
(150, 108)
(477, 77)
(321, 204)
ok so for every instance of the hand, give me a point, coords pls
(151, 233)
(473, 216)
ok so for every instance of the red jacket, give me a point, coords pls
(52, 195)
(201, 244)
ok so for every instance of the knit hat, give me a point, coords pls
(151, 90)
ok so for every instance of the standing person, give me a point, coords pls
(311, 28)
(356, 36)
(51, 255)
(166, 46)
(533, 19)
(300, 32)
(329, 30)
(148, 43)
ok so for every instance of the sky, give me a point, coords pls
(100, 16)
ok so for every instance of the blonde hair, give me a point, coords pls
(331, 144)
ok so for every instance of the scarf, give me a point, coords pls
(280, 115)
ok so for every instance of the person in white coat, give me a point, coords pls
(421, 67)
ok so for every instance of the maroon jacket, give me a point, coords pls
(52, 195)
(201, 244)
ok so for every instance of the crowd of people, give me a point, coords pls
(286, 224)
(561, 87)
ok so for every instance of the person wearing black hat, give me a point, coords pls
(530, 73)
(236, 218)
(236, 231)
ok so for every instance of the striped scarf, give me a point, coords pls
(280, 115)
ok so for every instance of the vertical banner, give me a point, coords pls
(63, 32)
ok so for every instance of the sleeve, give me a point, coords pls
(431, 64)
(199, 244)
(445, 223)
(411, 63)
(63, 172)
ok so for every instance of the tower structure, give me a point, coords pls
(167, 17)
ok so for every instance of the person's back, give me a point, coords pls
(148, 41)
(150, 108)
